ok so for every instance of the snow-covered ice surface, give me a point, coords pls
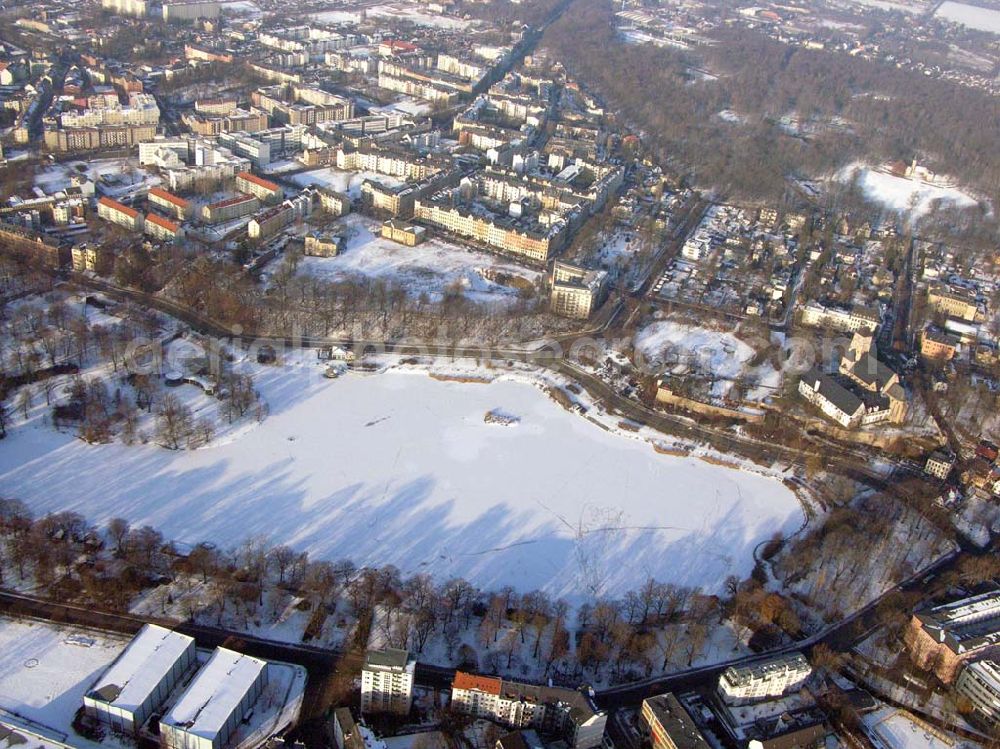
(428, 268)
(43, 676)
(973, 16)
(898, 729)
(400, 468)
(901, 195)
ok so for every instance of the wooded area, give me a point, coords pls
(862, 111)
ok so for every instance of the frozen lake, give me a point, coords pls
(973, 16)
(401, 468)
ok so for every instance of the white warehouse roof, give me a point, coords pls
(215, 693)
(141, 666)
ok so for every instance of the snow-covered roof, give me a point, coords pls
(141, 666)
(215, 693)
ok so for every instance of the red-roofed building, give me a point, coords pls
(122, 215)
(162, 228)
(393, 47)
(476, 695)
(569, 713)
(227, 210)
(262, 189)
(169, 202)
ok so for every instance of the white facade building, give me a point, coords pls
(764, 680)
(210, 710)
(979, 683)
(387, 681)
(139, 680)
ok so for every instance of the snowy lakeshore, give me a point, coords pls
(401, 468)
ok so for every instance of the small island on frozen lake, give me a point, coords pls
(501, 418)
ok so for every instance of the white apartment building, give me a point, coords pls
(764, 680)
(848, 320)
(162, 228)
(262, 189)
(141, 110)
(189, 10)
(387, 681)
(575, 291)
(416, 88)
(979, 683)
(125, 7)
(116, 213)
(569, 713)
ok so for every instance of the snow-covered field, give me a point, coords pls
(241, 8)
(43, 675)
(903, 195)
(910, 6)
(399, 468)
(413, 14)
(346, 182)
(57, 177)
(973, 16)
(680, 349)
(338, 16)
(721, 353)
(428, 268)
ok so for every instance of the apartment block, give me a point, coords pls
(397, 201)
(575, 292)
(979, 683)
(764, 680)
(169, 202)
(939, 464)
(937, 345)
(844, 319)
(942, 639)
(568, 713)
(953, 301)
(94, 138)
(336, 203)
(532, 243)
(228, 210)
(91, 258)
(669, 725)
(387, 681)
(162, 228)
(189, 10)
(262, 189)
(116, 213)
(403, 232)
(270, 222)
(322, 245)
(420, 89)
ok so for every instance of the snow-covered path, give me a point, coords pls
(401, 468)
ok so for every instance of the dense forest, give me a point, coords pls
(857, 110)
